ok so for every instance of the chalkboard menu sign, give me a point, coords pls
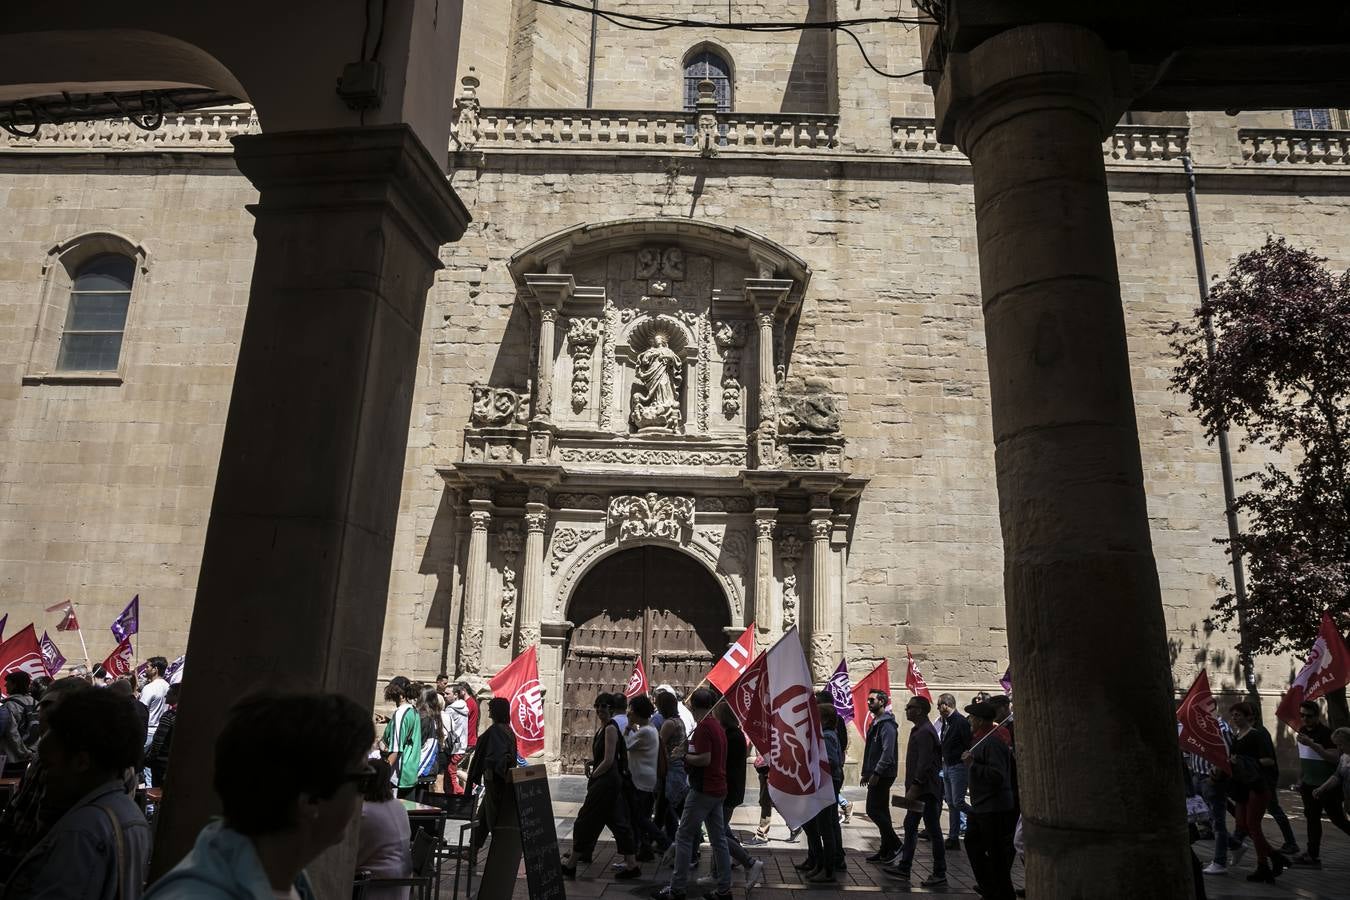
(524, 829)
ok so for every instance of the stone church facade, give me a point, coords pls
(710, 355)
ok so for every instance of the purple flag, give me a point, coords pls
(174, 673)
(4, 620)
(841, 692)
(52, 660)
(128, 623)
(1006, 682)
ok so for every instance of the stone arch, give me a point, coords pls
(591, 553)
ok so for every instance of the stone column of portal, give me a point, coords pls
(543, 369)
(532, 595)
(1031, 107)
(824, 617)
(295, 567)
(766, 296)
(475, 588)
(768, 613)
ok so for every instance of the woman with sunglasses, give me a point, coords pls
(604, 806)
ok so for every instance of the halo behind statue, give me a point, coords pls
(644, 331)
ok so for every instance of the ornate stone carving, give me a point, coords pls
(650, 515)
(651, 457)
(730, 337)
(820, 529)
(471, 647)
(656, 387)
(668, 261)
(813, 411)
(579, 501)
(712, 535)
(494, 407)
(466, 122)
(582, 334)
(529, 635)
(723, 504)
(764, 528)
(790, 598)
(608, 368)
(565, 542)
(822, 653)
(702, 328)
(535, 522)
(735, 545)
(790, 546)
(479, 519)
(509, 542)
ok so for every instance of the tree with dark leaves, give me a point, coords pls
(1279, 376)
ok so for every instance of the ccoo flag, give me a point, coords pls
(1199, 732)
(734, 661)
(119, 661)
(637, 682)
(841, 692)
(914, 682)
(1328, 668)
(128, 623)
(879, 679)
(22, 653)
(776, 705)
(519, 683)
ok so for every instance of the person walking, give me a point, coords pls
(1212, 788)
(954, 735)
(457, 737)
(824, 837)
(674, 777)
(705, 757)
(644, 753)
(495, 756)
(735, 765)
(880, 766)
(992, 818)
(1340, 779)
(1255, 775)
(923, 793)
(1314, 739)
(402, 741)
(18, 723)
(161, 745)
(603, 806)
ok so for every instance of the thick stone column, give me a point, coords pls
(767, 296)
(1100, 786)
(824, 616)
(768, 614)
(475, 588)
(532, 597)
(295, 568)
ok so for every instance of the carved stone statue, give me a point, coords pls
(656, 386)
(494, 407)
(815, 411)
(652, 515)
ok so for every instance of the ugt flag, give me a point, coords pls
(21, 653)
(776, 705)
(841, 692)
(1199, 732)
(119, 661)
(734, 661)
(519, 683)
(128, 623)
(914, 682)
(52, 660)
(879, 679)
(1005, 681)
(637, 682)
(1328, 668)
(174, 673)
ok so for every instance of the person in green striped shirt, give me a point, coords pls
(402, 741)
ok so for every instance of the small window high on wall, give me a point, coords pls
(96, 317)
(714, 67)
(1319, 119)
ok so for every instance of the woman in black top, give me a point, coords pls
(604, 805)
(1255, 775)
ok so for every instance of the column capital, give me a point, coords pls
(769, 296)
(1027, 68)
(536, 518)
(549, 290)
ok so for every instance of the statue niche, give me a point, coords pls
(658, 373)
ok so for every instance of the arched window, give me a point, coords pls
(714, 67)
(96, 317)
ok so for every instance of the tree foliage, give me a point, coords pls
(1279, 377)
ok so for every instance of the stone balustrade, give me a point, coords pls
(1297, 147)
(197, 130)
(534, 129)
(917, 136)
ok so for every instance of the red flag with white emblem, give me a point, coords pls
(914, 682)
(121, 661)
(734, 661)
(519, 683)
(1199, 732)
(1327, 668)
(637, 682)
(775, 702)
(22, 653)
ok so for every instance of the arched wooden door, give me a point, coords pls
(649, 600)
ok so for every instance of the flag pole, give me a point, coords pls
(88, 663)
(991, 731)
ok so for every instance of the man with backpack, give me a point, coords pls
(18, 723)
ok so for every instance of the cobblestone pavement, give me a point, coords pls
(1331, 882)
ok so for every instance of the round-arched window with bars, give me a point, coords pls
(714, 67)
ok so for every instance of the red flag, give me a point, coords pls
(22, 653)
(914, 682)
(776, 704)
(1199, 732)
(120, 661)
(519, 683)
(879, 679)
(637, 682)
(68, 621)
(1328, 668)
(734, 661)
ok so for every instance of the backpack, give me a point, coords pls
(25, 716)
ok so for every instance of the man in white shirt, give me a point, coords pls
(457, 733)
(152, 695)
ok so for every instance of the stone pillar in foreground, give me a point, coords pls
(295, 568)
(1100, 772)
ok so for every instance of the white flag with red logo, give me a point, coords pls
(637, 682)
(1328, 668)
(519, 683)
(776, 705)
(914, 682)
(121, 661)
(1199, 732)
(22, 653)
(734, 661)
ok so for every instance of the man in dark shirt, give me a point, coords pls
(989, 838)
(1314, 770)
(736, 761)
(923, 793)
(954, 732)
(705, 759)
(879, 768)
(496, 754)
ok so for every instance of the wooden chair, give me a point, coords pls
(423, 872)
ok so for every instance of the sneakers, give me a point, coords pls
(755, 874)
(1215, 869)
(937, 879)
